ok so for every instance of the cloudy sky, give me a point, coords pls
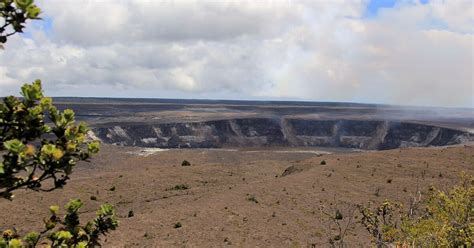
(378, 51)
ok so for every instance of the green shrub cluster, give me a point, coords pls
(39, 142)
(36, 149)
(66, 231)
(446, 220)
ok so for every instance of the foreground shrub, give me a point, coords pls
(447, 220)
(15, 13)
(380, 223)
(36, 148)
(66, 231)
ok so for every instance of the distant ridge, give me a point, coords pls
(113, 100)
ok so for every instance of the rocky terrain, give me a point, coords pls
(262, 132)
(279, 168)
(217, 124)
(269, 197)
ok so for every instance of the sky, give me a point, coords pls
(413, 52)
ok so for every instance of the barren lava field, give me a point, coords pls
(239, 198)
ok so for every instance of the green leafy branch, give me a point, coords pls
(66, 231)
(15, 13)
(35, 148)
(446, 220)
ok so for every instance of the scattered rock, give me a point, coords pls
(185, 163)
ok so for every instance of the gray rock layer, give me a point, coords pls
(264, 132)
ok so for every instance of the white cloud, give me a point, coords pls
(311, 50)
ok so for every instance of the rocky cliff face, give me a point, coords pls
(261, 132)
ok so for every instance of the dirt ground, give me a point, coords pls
(239, 198)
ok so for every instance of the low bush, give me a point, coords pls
(446, 220)
(66, 231)
(180, 187)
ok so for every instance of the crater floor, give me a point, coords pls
(238, 197)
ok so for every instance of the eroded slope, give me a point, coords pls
(264, 132)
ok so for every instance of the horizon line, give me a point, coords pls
(265, 100)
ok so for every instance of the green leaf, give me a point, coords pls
(49, 224)
(82, 244)
(106, 209)
(14, 146)
(33, 12)
(48, 149)
(3, 243)
(54, 209)
(93, 147)
(68, 115)
(23, 4)
(73, 205)
(46, 102)
(46, 129)
(35, 111)
(32, 92)
(82, 127)
(15, 243)
(52, 151)
(2, 170)
(31, 238)
(54, 115)
(63, 235)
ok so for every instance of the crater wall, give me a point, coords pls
(265, 132)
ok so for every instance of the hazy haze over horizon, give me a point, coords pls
(391, 52)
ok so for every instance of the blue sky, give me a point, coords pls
(374, 6)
